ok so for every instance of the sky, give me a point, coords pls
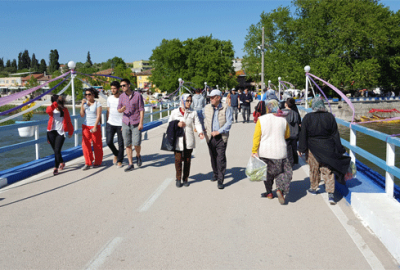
(127, 29)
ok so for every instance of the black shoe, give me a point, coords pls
(186, 183)
(213, 179)
(129, 168)
(139, 161)
(178, 183)
(220, 185)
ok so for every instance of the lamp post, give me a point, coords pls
(269, 83)
(279, 93)
(217, 86)
(180, 86)
(261, 47)
(306, 70)
(72, 65)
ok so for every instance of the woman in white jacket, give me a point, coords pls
(187, 120)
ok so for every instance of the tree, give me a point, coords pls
(195, 60)
(20, 63)
(54, 65)
(34, 63)
(26, 60)
(8, 64)
(32, 82)
(1, 64)
(14, 64)
(350, 43)
(88, 60)
(42, 67)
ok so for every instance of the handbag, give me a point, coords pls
(165, 144)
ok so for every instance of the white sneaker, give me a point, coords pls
(86, 167)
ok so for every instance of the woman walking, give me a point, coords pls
(270, 146)
(294, 120)
(59, 123)
(320, 141)
(181, 128)
(91, 131)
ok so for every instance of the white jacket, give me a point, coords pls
(191, 120)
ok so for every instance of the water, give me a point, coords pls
(26, 154)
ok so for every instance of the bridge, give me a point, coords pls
(105, 218)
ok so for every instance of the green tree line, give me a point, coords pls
(350, 43)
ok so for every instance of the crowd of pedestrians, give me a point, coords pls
(278, 130)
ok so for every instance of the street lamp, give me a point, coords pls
(72, 65)
(262, 49)
(269, 83)
(217, 86)
(279, 93)
(306, 70)
(180, 86)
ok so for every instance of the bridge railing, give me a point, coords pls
(170, 106)
(387, 165)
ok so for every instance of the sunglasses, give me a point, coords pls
(123, 85)
(188, 100)
(88, 94)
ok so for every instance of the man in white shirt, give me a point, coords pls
(114, 125)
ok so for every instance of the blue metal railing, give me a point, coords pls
(387, 165)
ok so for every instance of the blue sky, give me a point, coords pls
(127, 29)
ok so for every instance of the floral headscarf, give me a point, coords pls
(318, 105)
(272, 106)
(184, 97)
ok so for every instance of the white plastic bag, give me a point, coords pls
(256, 169)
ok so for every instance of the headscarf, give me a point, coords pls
(272, 106)
(271, 95)
(318, 105)
(184, 97)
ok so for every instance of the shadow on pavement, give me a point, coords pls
(157, 160)
(298, 190)
(237, 174)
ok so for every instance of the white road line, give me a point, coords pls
(147, 204)
(104, 253)
(372, 260)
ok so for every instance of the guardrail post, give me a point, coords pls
(76, 134)
(390, 161)
(37, 145)
(160, 111)
(353, 142)
(151, 113)
(103, 125)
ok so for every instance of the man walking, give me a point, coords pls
(114, 125)
(217, 122)
(198, 104)
(235, 102)
(247, 99)
(132, 106)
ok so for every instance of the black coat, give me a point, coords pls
(173, 132)
(319, 133)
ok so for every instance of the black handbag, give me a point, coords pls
(165, 144)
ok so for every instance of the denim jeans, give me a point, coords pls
(235, 112)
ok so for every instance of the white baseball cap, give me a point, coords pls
(214, 92)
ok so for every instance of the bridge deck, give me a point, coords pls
(108, 219)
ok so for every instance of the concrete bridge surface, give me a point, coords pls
(105, 218)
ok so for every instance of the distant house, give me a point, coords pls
(143, 82)
(140, 66)
(44, 79)
(242, 80)
(237, 64)
(11, 82)
(27, 78)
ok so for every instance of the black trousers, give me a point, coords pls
(246, 113)
(217, 149)
(56, 141)
(110, 133)
(292, 151)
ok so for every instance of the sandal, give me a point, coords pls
(62, 165)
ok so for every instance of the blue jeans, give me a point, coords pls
(235, 112)
(201, 117)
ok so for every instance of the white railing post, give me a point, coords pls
(103, 128)
(353, 142)
(37, 145)
(151, 113)
(390, 161)
(306, 69)
(160, 112)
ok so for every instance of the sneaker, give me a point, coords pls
(119, 165)
(115, 160)
(312, 191)
(186, 183)
(220, 185)
(331, 198)
(62, 165)
(281, 198)
(85, 167)
(129, 168)
(55, 172)
(139, 161)
(267, 195)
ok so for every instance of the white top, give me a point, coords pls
(91, 113)
(272, 143)
(114, 117)
(58, 122)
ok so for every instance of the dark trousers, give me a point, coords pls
(56, 141)
(185, 157)
(217, 149)
(246, 113)
(235, 112)
(292, 151)
(110, 133)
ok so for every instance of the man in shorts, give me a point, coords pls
(132, 106)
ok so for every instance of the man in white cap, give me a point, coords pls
(217, 123)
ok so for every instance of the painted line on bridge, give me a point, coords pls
(368, 254)
(101, 257)
(147, 204)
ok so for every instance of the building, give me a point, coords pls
(237, 64)
(10, 81)
(27, 78)
(141, 65)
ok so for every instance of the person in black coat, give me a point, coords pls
(320, 141)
